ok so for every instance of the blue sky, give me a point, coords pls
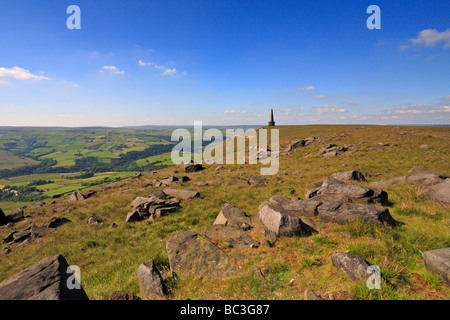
(224, 63)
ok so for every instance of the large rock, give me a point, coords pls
(353, 266)
(150, 281)
(15, 217)
(281, 222)
(182, 193)
(438, 262)
(369, 195)
(236, 238)
(353, 175)
(343, 212)
(428, 177)
(192, 255)
(154, 206)
(439, 192)
(46, 280)
(232, 216)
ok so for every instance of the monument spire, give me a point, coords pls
(271, 122)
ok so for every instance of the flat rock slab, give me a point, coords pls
(236, 238)
(353, 266)
(439, 192)
(181, 193)
(46, 280)
(192, 255)
(438, 262)
(343, 212)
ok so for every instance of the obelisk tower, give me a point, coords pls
(271, 122)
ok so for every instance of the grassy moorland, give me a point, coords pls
(109, 257)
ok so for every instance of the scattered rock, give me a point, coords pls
(120, 295)
(201, 184)
(3, 219)
(46, 280)
(154, 206)
(15, 217)
(229, 183)
(353, 266)
(150, 282)
(428, 178)
(281, 222)
(192, 255)
(425, 146)
(438, 262)
(269, 235)
(55, 222)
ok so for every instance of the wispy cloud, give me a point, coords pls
(234, 111)
(418, 109)
(20, 74)
(112, 70)
(306, 88)
(144, 64)
(330, 109)
(432, 37)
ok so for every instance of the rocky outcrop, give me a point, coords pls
(368, 195)
(12, 218)
(192, 255)
(257, 181)
(438, 262)
(46, 280)
(154, 206)
(353, 266)
(94, 220)
(281, 222)
(150, 282)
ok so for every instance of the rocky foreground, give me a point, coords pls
(338, 200)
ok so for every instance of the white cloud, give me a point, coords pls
(20, 74)
(431, 37)
(446, 98)
(143, 64)
(330, 109)
(169, 72)
(112, 70)
(306, 88)
(322, 96)
(351, 102)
